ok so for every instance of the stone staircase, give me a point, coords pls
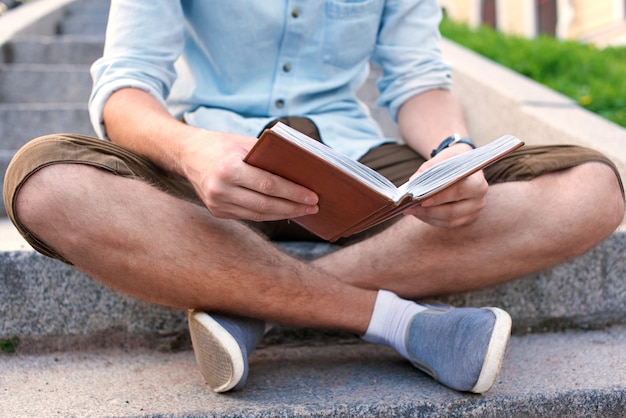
(45, 81)
(83, 350)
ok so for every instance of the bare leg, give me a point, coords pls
(153, 246)
(150, 245)
(526, 227)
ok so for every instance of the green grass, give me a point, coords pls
(9, 345)
(595, 78)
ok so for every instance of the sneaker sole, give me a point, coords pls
(217, 353)
(495, 351)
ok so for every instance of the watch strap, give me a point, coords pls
(451, 140)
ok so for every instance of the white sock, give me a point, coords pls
(390, 321)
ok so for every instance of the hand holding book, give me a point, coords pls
(353, 197)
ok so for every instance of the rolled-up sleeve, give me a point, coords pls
(409, 52)
(143, 41)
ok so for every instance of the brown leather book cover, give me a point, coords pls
(343, 200)
(347, 205)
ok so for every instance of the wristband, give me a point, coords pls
(451, 140)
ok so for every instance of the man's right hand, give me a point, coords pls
(211, 161)
(231, 189)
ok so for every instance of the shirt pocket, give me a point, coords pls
(350, 31)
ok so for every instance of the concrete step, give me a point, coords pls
(42, 83)
(5, 158)
(74, 49)
(92, 23)
(21, 122)
(51, 306)
(84, 17)
(571, 374)
(88, 10)
(44, 78)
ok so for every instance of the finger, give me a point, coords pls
(269, 184)
(255, 179)
(474, 187)
(250, 205)
(450, 215)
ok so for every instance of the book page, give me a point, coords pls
(459, 166)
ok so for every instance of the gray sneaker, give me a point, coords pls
(461, 348)
(221, 345)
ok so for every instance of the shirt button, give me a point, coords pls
(280, 103)
(287, 67)
(295, 13)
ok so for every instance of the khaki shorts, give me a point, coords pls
(396, 162)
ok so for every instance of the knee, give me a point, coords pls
(30, 199)
(606, 199)
(44, 194)
(614, 197)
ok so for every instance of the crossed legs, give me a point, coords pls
(153, 246)
(150, 245)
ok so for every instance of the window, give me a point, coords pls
(488, 13)
(546, 17)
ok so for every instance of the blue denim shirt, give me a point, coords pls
(234, 65)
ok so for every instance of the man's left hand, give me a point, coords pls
(457, 206)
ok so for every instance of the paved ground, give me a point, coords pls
(350, 379)
(10, 239)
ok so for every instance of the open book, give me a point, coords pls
(352, 196)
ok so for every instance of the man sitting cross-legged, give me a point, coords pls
(164, 209)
